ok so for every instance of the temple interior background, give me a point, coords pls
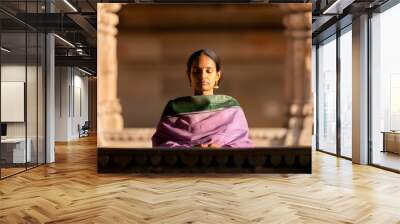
(251, 41)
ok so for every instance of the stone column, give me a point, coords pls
(108, 106)
(297, 22)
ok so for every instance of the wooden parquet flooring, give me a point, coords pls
(71, 191)
(10, 171)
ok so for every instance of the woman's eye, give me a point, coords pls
(209, 71)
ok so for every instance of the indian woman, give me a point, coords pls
(203, 119)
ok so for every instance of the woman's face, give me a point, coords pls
(204, 75)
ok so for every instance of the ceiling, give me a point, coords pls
(332, 15)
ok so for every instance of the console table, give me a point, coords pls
(13, 150)
(391, 141)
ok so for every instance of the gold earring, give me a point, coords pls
(216, 86)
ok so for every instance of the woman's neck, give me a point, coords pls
(204, 93)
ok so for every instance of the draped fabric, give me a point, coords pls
(193, 120)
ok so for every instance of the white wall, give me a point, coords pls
(81, 84)
(71, 102)
(62, 81)
(16, 73)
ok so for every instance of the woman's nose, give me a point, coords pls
(203, 74)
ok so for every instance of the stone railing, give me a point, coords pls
(141, 137)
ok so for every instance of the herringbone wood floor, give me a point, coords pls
(71, 191)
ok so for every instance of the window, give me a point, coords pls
(327, 95)
(385, 88)
(346, 92)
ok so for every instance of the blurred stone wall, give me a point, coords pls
(154, 44)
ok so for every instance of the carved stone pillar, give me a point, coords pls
(306, 133)
(108, 107)
(297, 22)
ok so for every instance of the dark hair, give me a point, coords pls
(210, 53)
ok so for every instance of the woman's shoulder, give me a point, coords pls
(225, 100)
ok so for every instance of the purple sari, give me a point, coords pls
(194, 120)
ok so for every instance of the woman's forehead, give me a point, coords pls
(199, 66)
(204, 62)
